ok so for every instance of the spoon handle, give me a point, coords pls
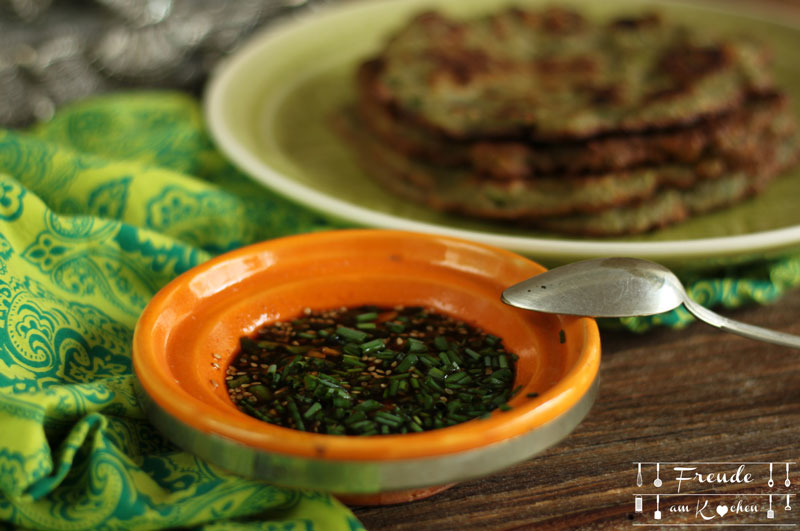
(743, 329)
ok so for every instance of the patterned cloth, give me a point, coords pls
(99, 208)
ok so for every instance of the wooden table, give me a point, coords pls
(667, 396)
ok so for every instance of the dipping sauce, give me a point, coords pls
(370, 371)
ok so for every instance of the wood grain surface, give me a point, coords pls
(694, 395)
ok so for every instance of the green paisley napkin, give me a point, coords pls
(99, 208)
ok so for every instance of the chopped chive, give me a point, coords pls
(427, 401)
(238, 381)
(415, 345)
(352, 349)
(310, 382)
(372, 346)
(363, 425)
(255, 412)
(296, 415)
(367, 316)
(428, 360)
(498, 400)
(430, 382)
(328, 381)
(368, 405)
(351, 334)
(261, 391)
(456, 377)
(316, 406)
(298, 349)
(436, 373)
(335, 429)
(472, 354)
(353, 361)
(386, 421)
(407, 363)
(455, 357)
(269, 345)
(503, 373)
(355, 417)
(396, 328)
(440, 342)
(386, 415)
(341, 402)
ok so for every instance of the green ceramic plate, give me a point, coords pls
(269, 108)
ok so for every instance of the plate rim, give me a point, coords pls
(542, 248)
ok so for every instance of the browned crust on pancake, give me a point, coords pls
(447, 54)
(731, 137)
(560, 202)
(709, 130)
(724, 134)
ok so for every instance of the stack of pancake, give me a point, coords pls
(548, 119)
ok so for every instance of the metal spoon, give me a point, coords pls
(620, 287)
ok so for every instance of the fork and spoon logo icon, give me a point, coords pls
(771, 482)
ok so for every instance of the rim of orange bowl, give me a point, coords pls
(501, 425)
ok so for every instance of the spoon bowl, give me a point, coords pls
(623, 287)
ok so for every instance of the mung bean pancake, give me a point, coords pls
(552, 74)
(602, 204)
(725, 133)
(548, 119)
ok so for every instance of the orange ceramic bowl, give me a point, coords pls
(190, 330)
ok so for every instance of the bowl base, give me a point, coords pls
(391, 497)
